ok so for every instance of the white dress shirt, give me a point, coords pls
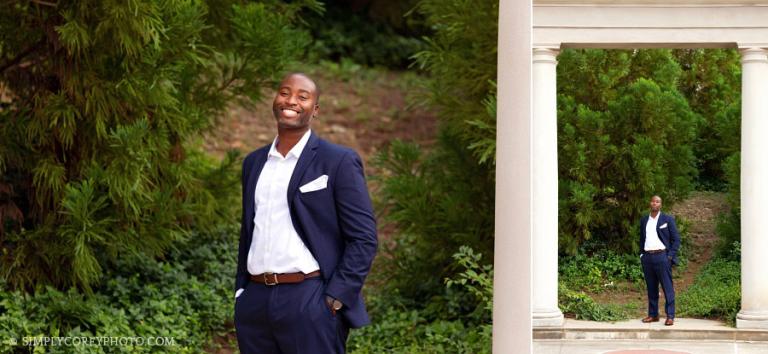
(276, 246)
(652, 241)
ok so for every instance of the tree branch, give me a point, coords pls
(45, 3)
(21, 55)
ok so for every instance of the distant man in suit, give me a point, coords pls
(659, 243)
(308, 236)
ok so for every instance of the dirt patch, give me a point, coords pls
(224, 343)
(701, 210)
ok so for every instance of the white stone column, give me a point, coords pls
(544, 200)
(512, 244)
(754, 189)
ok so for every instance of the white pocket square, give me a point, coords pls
(663, 226)
(316, 185)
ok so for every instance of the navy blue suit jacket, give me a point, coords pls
(337, 223)
(668, 234)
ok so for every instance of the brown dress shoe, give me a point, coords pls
(650, 319)
(669, 322)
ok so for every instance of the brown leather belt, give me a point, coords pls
(656, 251)
(284, 278)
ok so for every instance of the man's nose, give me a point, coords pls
(291, 100)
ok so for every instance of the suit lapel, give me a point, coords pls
(253, 177)
(659, 224)
(306, 158)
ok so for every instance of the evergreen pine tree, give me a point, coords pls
(102, 105)
(625, 133)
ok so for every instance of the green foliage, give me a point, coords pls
(444, 198)
(476, 278)
(711, 81)
(729, 223)
(715, 293)
(582, 307)
(398, 328)
(403, 331)
(599, 272)
(625, 133)
(103, 100)
(429, 198)
(461, 61)
(365, 38)
(187, 296)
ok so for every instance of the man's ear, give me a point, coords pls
(315, 111)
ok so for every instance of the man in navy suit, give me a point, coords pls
(308, 236)
(659, 243)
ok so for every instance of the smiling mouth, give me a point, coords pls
(287, 112)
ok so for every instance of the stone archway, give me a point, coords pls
(527, 166)
(673, 24)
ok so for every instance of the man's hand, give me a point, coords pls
(333, 304)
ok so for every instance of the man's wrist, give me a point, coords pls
(333, 303)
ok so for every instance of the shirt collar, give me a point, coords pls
(295, 150)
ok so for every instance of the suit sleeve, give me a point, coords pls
(241, 274)
(641, 237)
(357, 226)
(674, 239)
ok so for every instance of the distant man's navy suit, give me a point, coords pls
(336, 223)
(658, 267)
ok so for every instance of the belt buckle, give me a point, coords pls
(266, 279)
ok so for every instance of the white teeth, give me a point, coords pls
(289, 113)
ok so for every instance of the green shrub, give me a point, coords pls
(399, 331)
(435, 201)
(729, 223)
(715, 293)
(582, 307)
(187, 297)
(398, 328)
(599, 271)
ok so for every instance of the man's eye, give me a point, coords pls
(303, 98)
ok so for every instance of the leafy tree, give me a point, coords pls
(711, 81)
(367, 32)
(443, 198)
(102, 103)
(461, 61)
(624, 133)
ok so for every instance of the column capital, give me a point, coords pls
(545, 54)
(753, 55)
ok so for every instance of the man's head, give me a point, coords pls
(655, 203)
(296, 102)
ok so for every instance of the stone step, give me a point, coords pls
(684, 329)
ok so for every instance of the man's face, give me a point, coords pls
(295, 103)
(655, 204)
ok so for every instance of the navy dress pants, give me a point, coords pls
(288, 318)
(658, 269)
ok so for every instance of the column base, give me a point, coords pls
(547, 318)
(752, 319)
